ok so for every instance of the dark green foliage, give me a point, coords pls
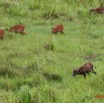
(49, 47)
(51, 15)
(7, 71)
(24, 96)
(54, 77)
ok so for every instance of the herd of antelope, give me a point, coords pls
(55, 30)
(84, 69)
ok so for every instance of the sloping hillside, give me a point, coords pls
(31, 73)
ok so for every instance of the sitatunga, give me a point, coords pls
(99, 10)
(18, 29)
(58, 28)
(1, 34)
(84, 69)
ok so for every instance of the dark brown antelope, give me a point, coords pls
(83, 70)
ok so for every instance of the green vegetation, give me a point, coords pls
(30, 73)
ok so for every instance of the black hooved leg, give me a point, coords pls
(62, 32)
(84, 75)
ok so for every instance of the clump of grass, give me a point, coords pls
(98, 84)
(49, 47)
(53, 77)
(24, 95)
(7, 71)
(14, 84)
(49, 15)
(11, 35)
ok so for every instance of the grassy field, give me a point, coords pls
(31, 74)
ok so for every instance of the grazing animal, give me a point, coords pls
(1, 34)
(99, 10)
(86, 68)
(18, 29)
(57, 28)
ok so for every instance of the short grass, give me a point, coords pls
(31, 74)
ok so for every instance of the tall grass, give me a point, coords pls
(30, 73)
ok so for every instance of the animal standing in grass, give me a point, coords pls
(1, 34)
(18, 29)
(83, 70)
(58, 28)
(99, 10)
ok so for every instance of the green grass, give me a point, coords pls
(31, 74)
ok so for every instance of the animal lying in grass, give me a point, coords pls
(58, 28)
(83, 70)
(99, 10)
(18, 29)
(1, 34)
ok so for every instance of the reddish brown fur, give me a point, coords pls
(98, 10)
(1, 34)
(86, 68)
(58, 28)
(18, 29)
